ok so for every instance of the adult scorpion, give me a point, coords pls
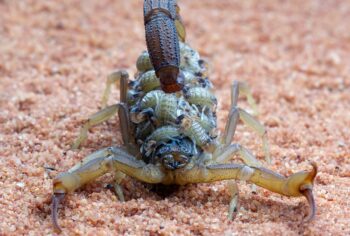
(167, 117)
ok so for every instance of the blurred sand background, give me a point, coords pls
(55, 56)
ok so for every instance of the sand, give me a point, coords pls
(55, 56)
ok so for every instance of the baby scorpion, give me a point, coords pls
(171, 138)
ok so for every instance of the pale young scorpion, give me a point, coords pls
(170, 138)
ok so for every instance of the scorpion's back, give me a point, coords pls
(158, 117)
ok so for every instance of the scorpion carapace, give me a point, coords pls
(172, 138)
(164, 28)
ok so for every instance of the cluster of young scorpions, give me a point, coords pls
(168, 124)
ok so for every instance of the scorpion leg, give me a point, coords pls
(296, 185)
(234, 203)
(121, 76)
(180, 27)
(258, 128)
(104, 115)
(226, 153)
(239, 87)
(237, 113)
(118, 190)
(96, 165)
(249, 159)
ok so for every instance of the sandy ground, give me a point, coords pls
(55, 56)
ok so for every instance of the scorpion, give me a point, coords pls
(167, 116)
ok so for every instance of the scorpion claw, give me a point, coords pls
(56, 199)
(306, 190)
(310, 198)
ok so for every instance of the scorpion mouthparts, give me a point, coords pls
(56, 199)
(310, 198)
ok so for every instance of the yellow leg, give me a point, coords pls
(239, 87)
(234, 204)
(237, 113)
(121, 76)
(298, 184)
(118, 190)
(253, 123)
(226, 153)
(102, 116)
(230, 129)
(180, 27)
